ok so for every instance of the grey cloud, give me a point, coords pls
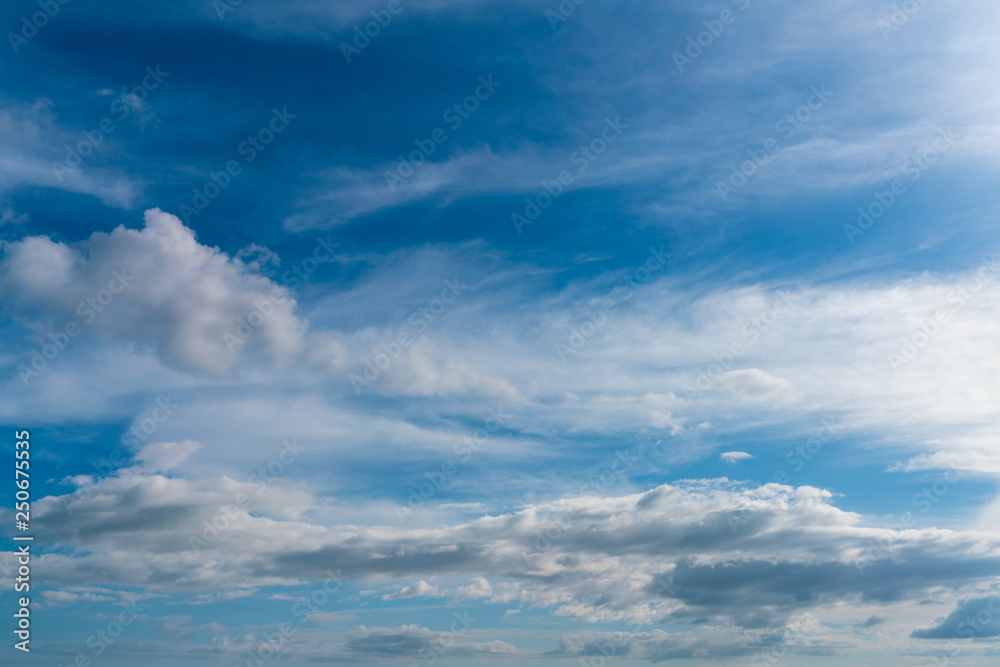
(413, 640)
(971, 618)
(608, 559)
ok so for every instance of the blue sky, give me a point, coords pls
(516, 332)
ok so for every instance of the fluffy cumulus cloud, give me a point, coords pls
(479, 588)
(662, 360)
(756, 569)
(157, 289)
(419, 589)
(704, 552)
(513, 436)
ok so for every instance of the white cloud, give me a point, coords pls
(419, 589)
(733, 457)
(479, 588)
(827, 357)
(703, 549)
(32, 142)
(163, 456)
(67, 597)
(752, 383)
(421, 372)
(163, 290)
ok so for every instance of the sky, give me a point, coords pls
(479, 332)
